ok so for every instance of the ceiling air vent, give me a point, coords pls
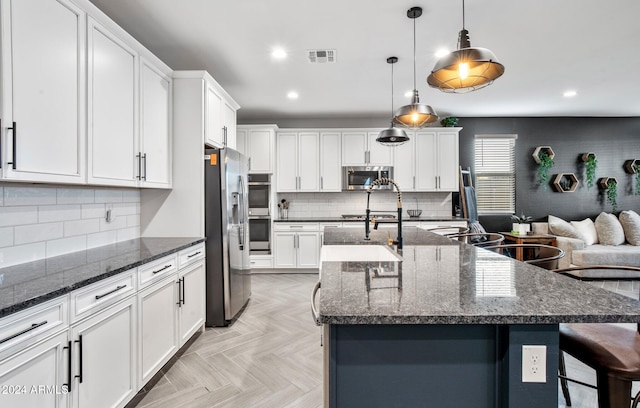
(322, 56)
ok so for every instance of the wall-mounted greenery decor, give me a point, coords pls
(610, 185)
(543, 155)
(591, 163)
(633, 167)
(566, 182)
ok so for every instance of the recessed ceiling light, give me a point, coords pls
(442, 52)
(279, 53)
(570, 94)
(292, 95)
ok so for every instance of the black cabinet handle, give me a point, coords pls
(138, 157)
(20, 333)
(79, 358)
(110, 292)
(69, 365)
(194, 254)
(14, 148)
(144, 157)
(162, 269)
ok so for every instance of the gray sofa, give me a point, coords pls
(577, 253)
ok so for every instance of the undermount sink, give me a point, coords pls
(358, 253)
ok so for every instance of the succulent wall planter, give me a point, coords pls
(610, 185)
(591, 163)
(566, 182)
(633, 167)
(543, 155)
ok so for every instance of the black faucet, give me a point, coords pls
(367, 219)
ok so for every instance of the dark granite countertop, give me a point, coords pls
(341, 219)
(440, 281)
(28, 284)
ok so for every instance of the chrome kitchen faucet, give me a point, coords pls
(367, 220)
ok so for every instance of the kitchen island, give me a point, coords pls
(444, 324)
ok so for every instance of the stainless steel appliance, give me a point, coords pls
(260, 214)
(361, 177)
(227, 231)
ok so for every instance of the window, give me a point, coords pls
(495, 170)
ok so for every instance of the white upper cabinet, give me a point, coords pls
(257, 142)
(330, 161)
(220, 118)
(43, 94)
(113, 133)
(298, 161)
(404, 169)
(361, 149)
(437, 158)
(155, 126)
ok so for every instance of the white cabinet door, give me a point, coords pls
(155, 126)
(426, 161)
(330, 162)
(213, 121)
(241, 143)
(113, 143)
(158, 326)
(379, 154)
(284, 250)
(404, 169)
(191, 309)
(229, 125)
(107, 345)
(308, 162)
(308, 248)
(43, 90)
(260, 143)
(287, 172)
(354, 148)
(42, 365)
(448, 161)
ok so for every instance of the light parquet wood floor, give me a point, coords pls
(271, 356)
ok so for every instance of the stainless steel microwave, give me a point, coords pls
(361, 177)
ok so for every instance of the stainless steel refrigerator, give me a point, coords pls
(227, 231)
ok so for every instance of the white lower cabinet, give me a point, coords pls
(191, 299)
(105, 347)
(296, 245)
(38, 376)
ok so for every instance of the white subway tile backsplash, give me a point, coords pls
(125, 209)
(75, 195)
(108, 196)
(81, 227)
(102, 238)
(29, 195)
(116, 223)
(6, 237)
(93, 211)
(133, 220)
(128, 233)
(20, 215)
(1, 195)
(66, 245)
(18, 254)
(25, 234)
(51, 213)
(131, 196)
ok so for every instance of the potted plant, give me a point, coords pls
(591, 163)
(636, 170)
(449, 121)
(521, 224)
(612, 193)
(545, 163)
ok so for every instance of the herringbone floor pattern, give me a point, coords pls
(271, 357)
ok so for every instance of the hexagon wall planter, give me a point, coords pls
(537, 151)
(628, 165)
(563, 179)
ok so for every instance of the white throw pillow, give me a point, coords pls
(587, 229)
(630, 221)
(609, 229)
(558, 226)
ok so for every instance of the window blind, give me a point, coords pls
(495, 171)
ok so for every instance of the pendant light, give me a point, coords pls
(415, 115)
(466, 69)
(392, 136)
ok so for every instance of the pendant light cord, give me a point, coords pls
(463, 14)
(414, 53)
(392, 91)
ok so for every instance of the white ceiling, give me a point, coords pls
(547, 47)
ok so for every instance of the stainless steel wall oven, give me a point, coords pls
(260, 214)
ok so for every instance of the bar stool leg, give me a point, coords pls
(613, 392)
(564, 384)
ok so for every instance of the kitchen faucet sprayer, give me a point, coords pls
(367, 230)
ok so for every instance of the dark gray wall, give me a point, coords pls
(614, 140)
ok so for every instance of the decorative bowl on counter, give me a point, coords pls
(414, 213)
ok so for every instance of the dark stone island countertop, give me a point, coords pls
(342, 219)
(28, 284)
(441, 281)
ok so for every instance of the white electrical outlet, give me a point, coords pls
(534, 364)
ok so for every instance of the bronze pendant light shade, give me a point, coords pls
(467, 69)
(392, 136)
(415, 115)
